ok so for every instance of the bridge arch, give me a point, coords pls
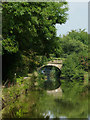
(50, 65)
(52, 76)
(55, 63)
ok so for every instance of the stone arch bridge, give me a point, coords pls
(48, 70)
(55, 89)
(54, 63)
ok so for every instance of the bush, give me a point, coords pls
(71, 69)
(74, 41)
(83, 59)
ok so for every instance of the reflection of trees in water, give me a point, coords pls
(53, 77)
(37, 104)
(63, 107)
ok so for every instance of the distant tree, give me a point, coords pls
(80, 35)
(74, 41)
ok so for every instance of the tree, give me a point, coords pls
(32, 25)
(74, 41)
(29, 27)
(72, 69)
(80, 35)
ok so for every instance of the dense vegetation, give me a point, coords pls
(28, 32)
(75, 48)
(29, 40)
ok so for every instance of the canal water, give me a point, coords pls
(51, 77)
(56, 100)
(43, 105)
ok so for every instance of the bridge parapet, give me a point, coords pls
(56, 63)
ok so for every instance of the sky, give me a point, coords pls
(77, 18)
(77, 0)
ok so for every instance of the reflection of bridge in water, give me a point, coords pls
(56, 63)
(52, 71)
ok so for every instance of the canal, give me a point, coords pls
(55, 100)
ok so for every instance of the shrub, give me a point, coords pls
(71, 69)
(83, 59)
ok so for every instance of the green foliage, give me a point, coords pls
(28, 29)
(73, 89)
(17, 103)
(74, 41)
(71, 69)
(36, 60)
(80, 35)
(15, 64)
(58, 51)
(32, 25)
(21, 64)
(21, 105)
(10, 45)
(13, 92)
(84, 60)
(40, 81)
(19, 80)
(19, 113)
(38, 103)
